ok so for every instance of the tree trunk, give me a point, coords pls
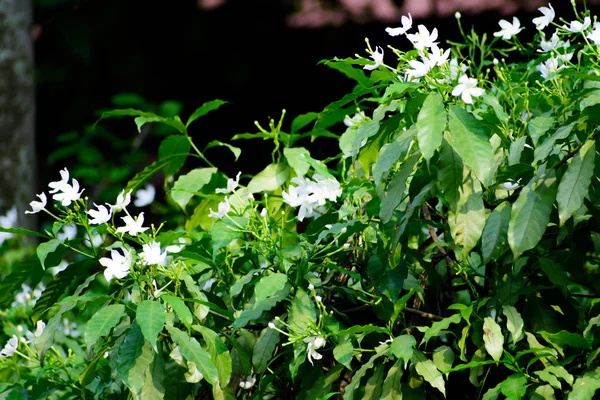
(17, 109)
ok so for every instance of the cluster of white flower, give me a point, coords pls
(28, 297)
(248, 383)
(314, 343)
(224, 207)
(13, 343)
(311, 196)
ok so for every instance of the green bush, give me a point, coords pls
(450, 249)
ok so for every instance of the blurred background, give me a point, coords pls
(170, 57)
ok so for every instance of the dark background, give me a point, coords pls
(88, 51)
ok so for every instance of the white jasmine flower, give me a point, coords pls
(132, 226)
(356, 119)
(467, 88)
(232, 184)
(314, 343)
(595, 35)
(9, 220)
(64, 180)
(176, 248)
(37, 206)
(549, 67)
(10, 347)
(208, 285)
(553, 44)
(69, 232)
(455, 68)
(151, 254)
(70, 328)
(311, 196)
(145, 196)
(576, 26)
(117, 265)
(423, 39)
(123, 201)
(438, 56)
(263, 213)
(101, 215)
(406, 25)
(419, 69)
(510, 185)
(59, 268)
(546, 19)
(508, 30)
(248, 383)
(222, 210)
(38, 332)
(68, 193)
(377, 56)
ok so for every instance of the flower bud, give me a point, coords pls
(346, 246)
(344, 230)
(271, 325)
(457, 15)
(311, 287)
(495, 61)
(318, 298)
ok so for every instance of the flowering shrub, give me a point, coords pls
(449, 250)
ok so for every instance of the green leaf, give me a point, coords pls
(560, 372)
(205, 109)
(269, 179)
(193, 352)
(554, 271)
(591, 324)
(174, 144)
(303, 120)
(514, 322)
(437, 327)
(538, 126)
(373, 387)
(544, 392)
(215, 143)
(466, 225)
(392, 385)
(564, 338)
(586, 386)
(426, 368)
(269, 285)
(431, 123)
(494, 239)
(302, 313)
(548, 377)
(343, 353)
(349, 390)
(321, 388)
(102, 322)
(492, 101)
(137, 181)
(492, 394)
(443, 358)
(263, 349)
(296, 158)
(255, 311)
(514, 387)
(182, 311)
(492, 338)
(450, 174)
(151, 318)
(468, 138)
(45, 248)
(402, 347)
(143, 117)
(530, 214)
(396, 188)
(388, 155)
(345, 67)
(575, 183)
(219, 353)
(227, 229)
(549, 145)
(133, 357)
(186, 185)
(21, 231)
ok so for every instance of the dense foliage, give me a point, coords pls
(451, 249)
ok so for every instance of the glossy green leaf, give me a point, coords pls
(450, 174)
(302, 313)
(269, 179)
(575, 183)
(388, 155)
(151, 318)
(45, 248)
(218, 352)
(494, 239)
(514, 387)
(443, 358)
(586, 386)
(437, 327)
(373, 387)
(182, 311)
(427, 369)
(22, 231)
(263, 350)
(392, 385)
(216, 143)
(296, 158)
(133, 357)
(303, 120)
(548, 377)
(186, 185)
(193, 352)
(466, 225)
(538, 126)
(530, 214)
(343, 353)
(549, 145)
(493, 339)
(468, 138)
(358, 375)
(396, 188)
(102, 322)
(514, 323)
(430, 124)
(269, 285)
(174, 144)
(402, 347)
(138, 181)
(205, 109)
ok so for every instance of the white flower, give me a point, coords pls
(176, 248)
(232, 184)
(549, 67)
(70, 328)
(346, 246)
(467, 88)
(510, 185)
(314, 343)
(553, 44)
(406, 25)
(69, 232)
(357, 118)
(145, 196)
(151, 254)
(324, 189)
(423, 38)
(117, 265)
(68, 193)
(64, 180)
(38, 332)
(9, 220)
(508, 30)
(59, 268)
(37, 206)
(595, 35)
(10, 347)
(457, 15)
(576, 26)
(100, 216)
(377, 56)
(419, 69)
(311, 196)
(263, 213)
(455, 68)
(546, 19)
(222, 210)
(437, 56)
(123, 201)
(248, 383)
(133, 227)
